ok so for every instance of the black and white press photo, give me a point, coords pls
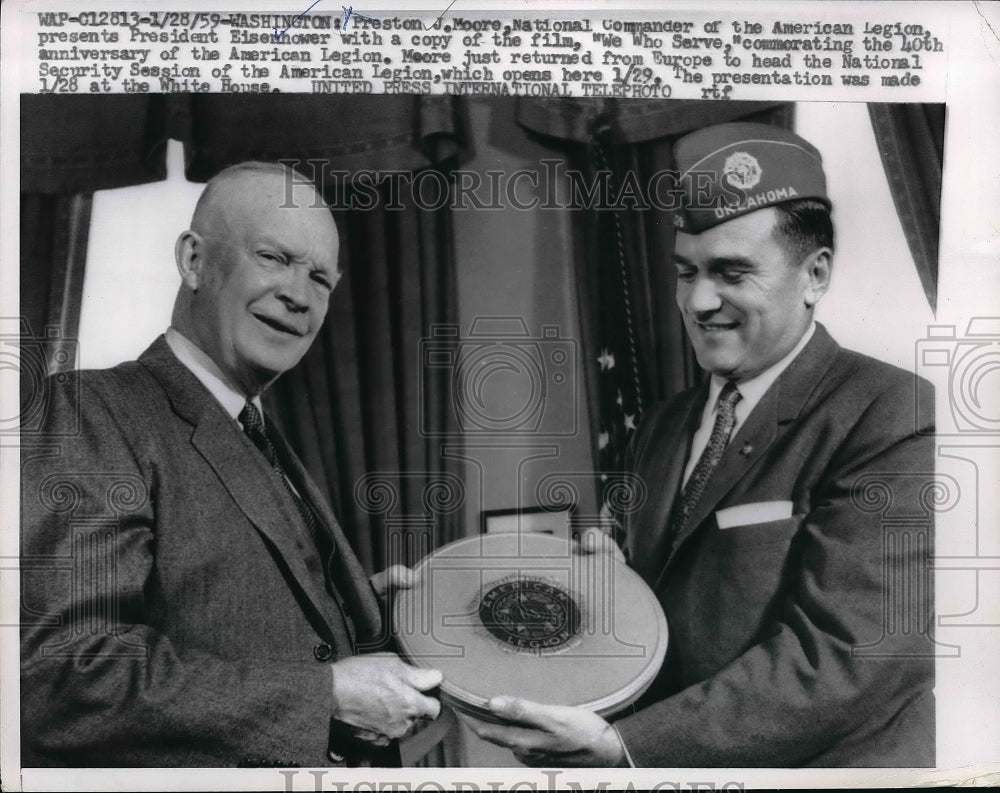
(549, 398)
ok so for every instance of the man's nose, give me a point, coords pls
(293, 288)
(703, 297)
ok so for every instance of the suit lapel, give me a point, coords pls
(670, 458)
(347, 568)
(241, 468)
(746, 448)
(777, 409)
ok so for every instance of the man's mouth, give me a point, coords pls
(714, 327)
(278, 325)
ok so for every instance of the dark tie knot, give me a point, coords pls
(253, 428)
(729, 397)
(251, 419)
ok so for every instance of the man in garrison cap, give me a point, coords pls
(788, 531)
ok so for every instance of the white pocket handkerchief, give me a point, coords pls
(747, 514)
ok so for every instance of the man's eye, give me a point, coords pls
(686, 275)
(732, 277)
(271, 257)
(322, 280)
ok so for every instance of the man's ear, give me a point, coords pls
(189, 253)
(817, 270)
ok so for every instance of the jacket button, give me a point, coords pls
(322, 652)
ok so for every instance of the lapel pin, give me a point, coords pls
(746, 450)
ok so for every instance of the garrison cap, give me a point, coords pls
(731, 169)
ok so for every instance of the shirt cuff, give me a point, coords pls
(628, 756)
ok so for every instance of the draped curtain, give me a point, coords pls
(54, 232)
(910, 140)
(70, 147)
(633, 342)
(349, 406)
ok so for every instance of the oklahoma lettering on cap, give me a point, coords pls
(731, 169)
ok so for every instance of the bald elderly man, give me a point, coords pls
(788, 529)
(189, 598)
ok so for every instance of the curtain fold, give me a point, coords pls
(910, 140)
(628, 120)
(54, 231)
(72, 145)
(332, 137)
(79, 144)
(54, 234)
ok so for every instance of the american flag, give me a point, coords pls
(619, 376)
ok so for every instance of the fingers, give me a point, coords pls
(428, 708)
(524, 711)
(591, 540)
(424, 707)
(380, 697)
(594, 541)
(409, 711)
(396, 576)
(380, 583)
(420, 679)
(519, 739)
(552, 734)
(401, 577)
(534, 758)
(372, 737)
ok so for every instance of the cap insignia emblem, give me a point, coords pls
(742, 170)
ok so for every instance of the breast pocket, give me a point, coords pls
(766, 533)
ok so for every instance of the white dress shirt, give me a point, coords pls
(209, 374)
(752, 391)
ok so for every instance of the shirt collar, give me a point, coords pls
(753, 390)
(208, 373)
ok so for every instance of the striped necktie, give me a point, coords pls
(253, 428)
(725, 420)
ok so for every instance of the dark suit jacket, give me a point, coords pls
(173, 611)
(804, 640)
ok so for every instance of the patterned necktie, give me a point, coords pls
(725, 420)
(253, 427)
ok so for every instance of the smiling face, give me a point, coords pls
(261, 276)
(745, 303)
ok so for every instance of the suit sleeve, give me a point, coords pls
(839, 660)
(100, 685)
